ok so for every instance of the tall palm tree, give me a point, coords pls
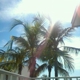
(56, 37)
(29, 41)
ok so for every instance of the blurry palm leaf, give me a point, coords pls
(40, 69)
(72, 49)
(67, 59)
(15, 23)
(21, 42)
(9, 44)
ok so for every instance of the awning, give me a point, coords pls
(76, 17)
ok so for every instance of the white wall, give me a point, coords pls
(25, 71)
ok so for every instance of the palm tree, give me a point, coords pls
(57, 37)
(16, 59)
(48, 56)
(29, 41)
(5, 61)
(54, 38)
(32, 38)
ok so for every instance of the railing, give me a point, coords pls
(6, 75)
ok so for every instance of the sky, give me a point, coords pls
(57, 10)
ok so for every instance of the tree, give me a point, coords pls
(15, 59)
(48, 56)
(55, 37)
(30, 41)
(6, 62)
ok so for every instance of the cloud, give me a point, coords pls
(4, 4)
(6, 8)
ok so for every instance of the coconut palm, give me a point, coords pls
(48, 56)
(16, 59)
(29, 41)
(56, 37)
(32, 35)
(5, 61)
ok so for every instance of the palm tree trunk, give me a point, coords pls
(56, 68)
(32, 66)
(20, 70)
(49, 70)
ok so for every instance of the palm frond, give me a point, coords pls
(15, 23)
(8, 65)
(40, 69)
(2, 51)
(39, 22)
(68, 60)
(65, 33)
(9, 44)
(21, 42)
(57, 29)
(3, 55)
(72, 49)
(62, 71)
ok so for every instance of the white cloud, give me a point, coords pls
(6, 8)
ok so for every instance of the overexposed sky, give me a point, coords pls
(57, 9)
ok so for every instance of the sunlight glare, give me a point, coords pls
(58, 10)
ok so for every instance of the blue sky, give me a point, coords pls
(61, 10)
